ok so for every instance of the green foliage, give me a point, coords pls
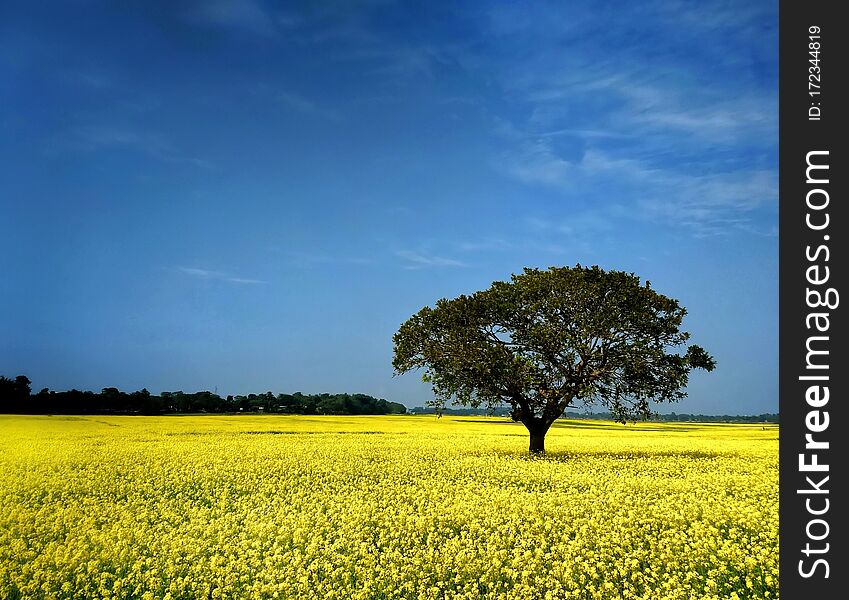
(547, 339)
(15, 397)
(13, 393)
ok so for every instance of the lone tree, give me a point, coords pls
(548, 339)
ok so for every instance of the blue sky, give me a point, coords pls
(254, 196)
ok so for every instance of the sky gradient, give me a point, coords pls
(249, 196)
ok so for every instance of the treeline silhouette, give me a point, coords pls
(17, 398)
(606, 416)
(685, 417)
(500, 411)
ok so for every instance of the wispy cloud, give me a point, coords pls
(218, 276)
(628, 102)
(202, 273)
(706, 203)
(537, 163)
(418, 260)
(484, 245)
(152, 144)
(543, 232)
(246, 16)
(634, 129)
(306, 106)
(86, 78)
(243, 280)
(402, 61)
(711, 205)
(345, 33)
(577, 223)
(306, 260)
(686, 107)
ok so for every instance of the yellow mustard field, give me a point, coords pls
(384, 507)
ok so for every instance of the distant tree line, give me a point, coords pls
(606, 416)
(16, 397)
(502, 411)
(685, 417)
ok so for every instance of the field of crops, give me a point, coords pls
(384, 507)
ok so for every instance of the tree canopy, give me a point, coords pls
(550, 338)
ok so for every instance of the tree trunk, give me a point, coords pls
(537, 442)
(537, 426)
